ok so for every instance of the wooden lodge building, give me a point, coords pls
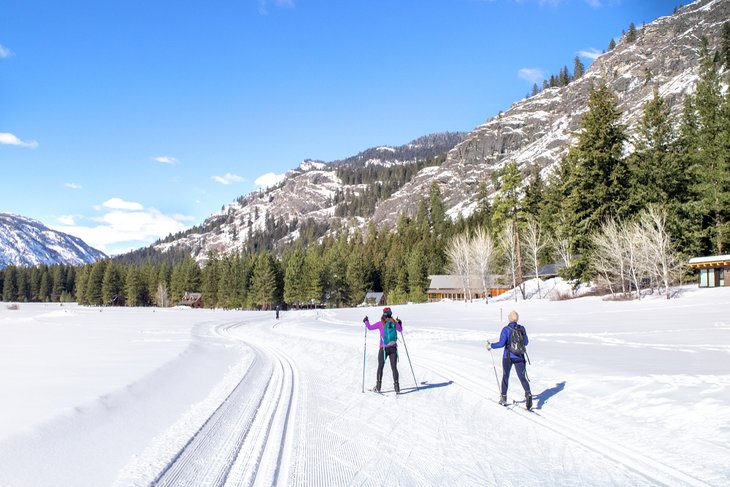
(452, 287)
(194, 300)
(712, 271)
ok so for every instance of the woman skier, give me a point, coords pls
(389, 329)
(514, 340)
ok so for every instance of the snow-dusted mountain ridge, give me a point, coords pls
(536, 131)
(27, 242)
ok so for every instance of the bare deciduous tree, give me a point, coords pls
(459, 260)
(535, 243)
(482, 249)
(510, 249)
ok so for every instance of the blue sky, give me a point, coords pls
(124, 121)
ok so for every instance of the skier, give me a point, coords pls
(278, 308)
(514, 340)
(388, 345)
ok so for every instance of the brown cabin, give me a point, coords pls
(193, 300)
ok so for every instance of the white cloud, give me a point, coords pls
(227, 179)
(123, 226)
(591, 53)
(165, 159)
(264, 5)
(7, 138)
(5, 52)
(72, 185)
(533, 75)
(67, 219)
(594, 3)
(269, 179)
(120, 204)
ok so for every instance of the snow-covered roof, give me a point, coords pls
(712, 259)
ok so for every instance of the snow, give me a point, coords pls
(626, 393)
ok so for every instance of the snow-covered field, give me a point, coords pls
(626, 393)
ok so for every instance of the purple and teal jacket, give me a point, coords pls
(379, 326)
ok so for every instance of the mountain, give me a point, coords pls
(318, 197)
(27, 242)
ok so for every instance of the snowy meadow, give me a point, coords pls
(625, 393)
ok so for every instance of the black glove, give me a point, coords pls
(399, 321)
(364, 319)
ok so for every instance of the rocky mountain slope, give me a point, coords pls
(27, 242)
(536, 131)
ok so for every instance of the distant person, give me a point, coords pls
(389, 329)
(278, 308)
(514, 340)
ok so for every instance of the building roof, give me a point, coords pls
(709, 261)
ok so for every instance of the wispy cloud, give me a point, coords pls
(264, 5)
(120, 204)
(5, 52)
(533, 75)
(72, 185)
(123, 225)
(67, 219)
(227, 179)
(591, 53)
(269, 179)
(165, 160)
(595, 3)
(552, 3)
(6, 138)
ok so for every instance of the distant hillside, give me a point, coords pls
(27, 242)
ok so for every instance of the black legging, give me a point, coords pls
(391, 352)
(519, 367)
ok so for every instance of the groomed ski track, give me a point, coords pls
(244, 442)
(299, 418)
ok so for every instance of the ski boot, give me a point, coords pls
(396, 386)
(503, 400)
(377, 387)
(528, 401)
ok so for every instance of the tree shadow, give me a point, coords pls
(424, 385)
(543, 397)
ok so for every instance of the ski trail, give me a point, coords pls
(245, 441)
(648, 467)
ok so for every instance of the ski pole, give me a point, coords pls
(409, 359)
(495, 369)
(364, 355)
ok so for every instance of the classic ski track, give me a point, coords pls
(650, 468)
(245, 440)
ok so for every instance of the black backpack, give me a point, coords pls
(516, 343)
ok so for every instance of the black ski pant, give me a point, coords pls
(521, 369)
(392, 353)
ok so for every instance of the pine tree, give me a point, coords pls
(711, 162)
(535, 89)
(94, 295)
(134, 289)
(295, 286)
(631, 34)
(112, 283)
(82, 278)
(263, 282)
(725, 45)
(10, 284)
(578, 68)
(210, 280)
(611, 44)
(598, 181)
(506, 203)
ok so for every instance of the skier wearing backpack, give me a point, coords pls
(389, 329)
(514, 340)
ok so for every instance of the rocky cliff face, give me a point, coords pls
(534, 132)
(27, 242)
(539, 130)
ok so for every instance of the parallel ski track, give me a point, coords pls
(652, 469)
(246, 440)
